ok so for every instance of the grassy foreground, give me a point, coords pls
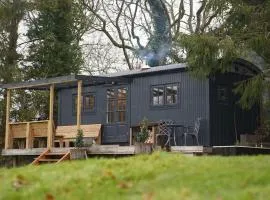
(158, 176)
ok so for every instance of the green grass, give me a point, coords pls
(158, 176)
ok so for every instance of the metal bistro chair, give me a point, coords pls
(164, 130)
(193, 131)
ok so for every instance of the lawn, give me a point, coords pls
(158, 176)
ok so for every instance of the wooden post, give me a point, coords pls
(50, 122)
(130, 136)
(154, 134)
(28, 136)
(79, 107)
(8, 137)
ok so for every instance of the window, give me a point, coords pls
(171, 94)
(110, 105)
(158, 95)
(164, 94)
(222, 94)
(87, 103)
(116, 105)
(74, 103)
(121, 104)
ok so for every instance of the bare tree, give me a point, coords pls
(147, 29)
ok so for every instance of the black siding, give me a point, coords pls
(66, 117)
(193, 102)
(228, 121)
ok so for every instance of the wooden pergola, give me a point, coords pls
(72, 81)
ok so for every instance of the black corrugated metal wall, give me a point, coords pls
(227, 119)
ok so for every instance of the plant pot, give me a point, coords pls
(141, 148)
(78, 153)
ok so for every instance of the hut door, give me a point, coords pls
(116, 129)
(223, 116)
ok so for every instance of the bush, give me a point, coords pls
(143, 135)
(79, 138)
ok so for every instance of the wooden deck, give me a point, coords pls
(239, 150)
(93, 150)
(194, 150)
(130, 150)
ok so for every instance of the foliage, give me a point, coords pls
(242, 31)
(143, 135)
(250, 91)
(264, 129)
(207, 54)
(11, 13)
(79, 139)
(55, 32)
(27, 105)
(157, 176)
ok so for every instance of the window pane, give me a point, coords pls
(222, 94)
(110, 117)
(121, 106)
(89, 103)
(158, 95)
(110, 93)
(121, 116)
(171, 94)
(155, 96)
(110, 106)
(74, 103)
(122, 93)
(161, 96)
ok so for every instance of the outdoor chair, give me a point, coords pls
(193, 131)
(164, 130)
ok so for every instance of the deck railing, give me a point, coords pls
(24, 134)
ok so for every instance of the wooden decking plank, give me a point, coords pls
(22, 152)
(191, 149)
(93, 150)
(48, 160)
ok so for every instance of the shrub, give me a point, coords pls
(143, 135)
(79, 138)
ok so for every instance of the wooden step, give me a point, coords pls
(48, 160)
(56, 153)
(51, 157)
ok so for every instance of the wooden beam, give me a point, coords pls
(65, 157)
(29, 138)
(50, 123)
(8, 136)
(40, 83)
(79, 106)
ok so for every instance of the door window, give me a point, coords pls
(116, 105)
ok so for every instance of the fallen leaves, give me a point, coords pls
(148, 196)
(108, 174)
(125, 185)
(49, 197)
(19, 182)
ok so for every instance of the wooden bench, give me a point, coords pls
(67, 134)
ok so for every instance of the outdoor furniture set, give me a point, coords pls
(167, 129)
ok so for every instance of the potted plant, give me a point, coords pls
(140, 145)
(79, 152)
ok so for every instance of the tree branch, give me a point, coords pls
(198, 15)
(190, 16)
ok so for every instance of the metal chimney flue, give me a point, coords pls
(144, 66)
